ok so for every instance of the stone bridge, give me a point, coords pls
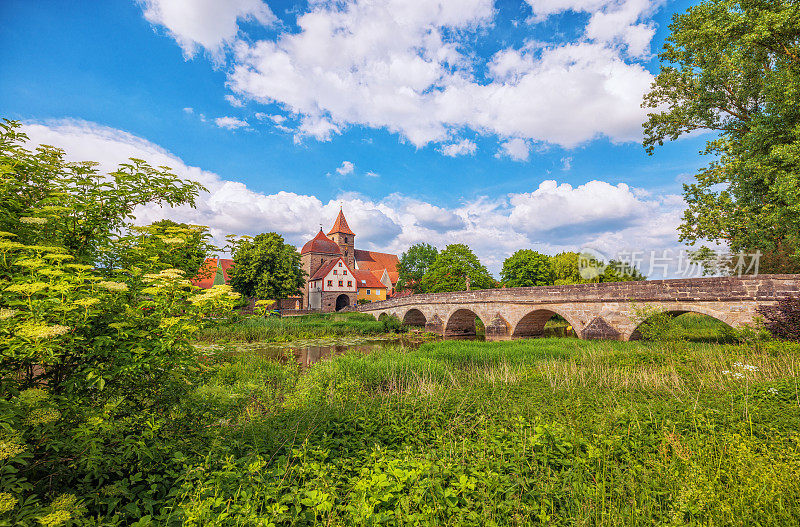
(595, 311)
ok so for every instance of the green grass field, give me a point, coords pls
(282, 329)
(550, 431)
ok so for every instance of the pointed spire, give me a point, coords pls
(340, 225)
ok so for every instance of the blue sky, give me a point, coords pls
(428, 121)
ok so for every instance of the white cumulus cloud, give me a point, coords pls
(517, 149)
(346, 168)
(231, 123)
(211, 24)
(551, 218)
(461, 148)
(408, 66)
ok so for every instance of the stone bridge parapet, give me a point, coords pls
(606, 310)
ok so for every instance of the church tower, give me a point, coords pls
(345, 239)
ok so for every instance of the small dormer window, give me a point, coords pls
(340, 264)
(345, 240)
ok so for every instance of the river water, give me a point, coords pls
(309, 351)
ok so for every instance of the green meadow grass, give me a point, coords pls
(281, 329)
(542, 431)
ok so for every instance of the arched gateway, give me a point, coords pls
(342, 301)
(595, 311)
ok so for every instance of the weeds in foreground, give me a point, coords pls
(542, 431)
(551, 431)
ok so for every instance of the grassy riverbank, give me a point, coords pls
(282, 329)
(557, 431)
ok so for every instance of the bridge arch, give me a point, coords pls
(461, 323)
(675, 311)
(414, 317)
(532, 324)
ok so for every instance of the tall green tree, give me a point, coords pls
(267, 268)
(616, 271)
(732, 67)
(413, 265)
(527, 268)
(565, 268)
(451, 268)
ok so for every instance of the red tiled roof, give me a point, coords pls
(226, 264)
(325, 269)
(321, 244)
(366, 278)
(208, 272)
(375, 261)
(340, 225)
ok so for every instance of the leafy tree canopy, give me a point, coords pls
(566, 267)
(267, 268)
(451, 268)
(84, 209)
(617, 271)
(413, 265)
(527, 268)
(733, 67)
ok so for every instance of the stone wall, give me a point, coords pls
(329, 299)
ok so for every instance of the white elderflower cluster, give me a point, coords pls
(59, 257)
(5, 314)
(87, 302)
(33, 221)
(165, 275)
(215, 293)
(37, 331)
(113, 286)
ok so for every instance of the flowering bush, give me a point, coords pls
(89, 357)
